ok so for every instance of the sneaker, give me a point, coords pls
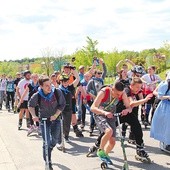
(31, 130)
(67, 140)
(82, 126)
(101, 154)
(167, 147)
(59, 146)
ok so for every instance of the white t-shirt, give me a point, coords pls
(22, 86)
(3, 84)
(129, 74)
(150, 79)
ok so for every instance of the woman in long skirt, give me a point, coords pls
(160, 128)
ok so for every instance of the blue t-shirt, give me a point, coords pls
(10, 86)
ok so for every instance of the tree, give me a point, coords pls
(48, 59)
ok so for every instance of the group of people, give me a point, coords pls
(80, 91)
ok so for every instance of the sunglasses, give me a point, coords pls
(99, 73)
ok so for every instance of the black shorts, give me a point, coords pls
(103, 123)
(24, 105)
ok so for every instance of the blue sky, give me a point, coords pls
(28, 26)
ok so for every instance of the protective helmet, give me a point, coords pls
(138, 69)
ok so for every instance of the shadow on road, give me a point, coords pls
(61, 166)
(141, 165)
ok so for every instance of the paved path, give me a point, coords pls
(19, 152)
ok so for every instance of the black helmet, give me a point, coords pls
(138, 69)
(26, 72)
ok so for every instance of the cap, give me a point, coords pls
(81, 67)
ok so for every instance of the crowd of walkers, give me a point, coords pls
(138, 94)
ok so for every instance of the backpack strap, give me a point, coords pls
(107, 93)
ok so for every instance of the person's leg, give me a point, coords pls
(66, 123)
(20, 118)
(92, 121)
(55, 132)
(8, 100)
(48, 130)
(12, 99)
(79, 101)
(83, 115)
(1, 99)
(110, 145)
(74, 120)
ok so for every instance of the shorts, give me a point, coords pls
(24, 105)
(103, 123)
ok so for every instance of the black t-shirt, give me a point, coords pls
(135, 97)
(68, 97)
(126, 82)
(16, 81)
(32, 90)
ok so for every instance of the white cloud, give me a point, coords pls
(26, 27)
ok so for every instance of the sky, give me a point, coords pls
(29, 26)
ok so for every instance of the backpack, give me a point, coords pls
(55, 93)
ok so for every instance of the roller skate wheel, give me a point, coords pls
(103, 165)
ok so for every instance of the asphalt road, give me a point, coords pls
(19, 152)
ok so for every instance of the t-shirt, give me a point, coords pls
(68, 98)
(84, 85)
(3, 84)
(32, 90)
(135, 97)
(22, 86)
(48, 108)
(10, 86)
(149, 88)
(16, 81)
(130, 74)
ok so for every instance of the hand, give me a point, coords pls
(108, 114)
(84, 101)
(149, 96)
(52, 118)
(35, 119)
(101, 61)
(125, 112)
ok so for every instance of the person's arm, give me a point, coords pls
(91, 71)
(104, 68)
(118, 66)
(77, 78)
(32, 103)
(96, 103)
(141, 101)
(24, 94)
(90, 89)
(164, 98)
(127, 105)
(61, 105)
(130, 62)
(17, 92)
